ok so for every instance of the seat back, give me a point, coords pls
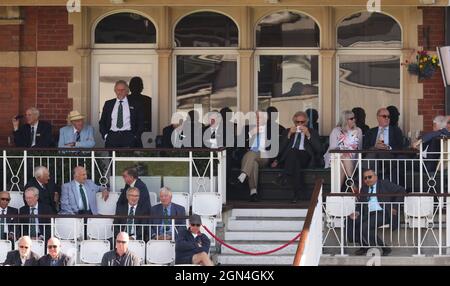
(107, 207)
(64, 228)
(92, 251)
(16, 199)
(418, 210)
(5, 246)
(138, 248)
(100, 228)
(207, 204)
(160, 251)
(69, 248)
(153, 198)
(340, 206)
(181, 199)
(176, 184)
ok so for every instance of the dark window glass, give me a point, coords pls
(369, 30)
(125, 28)
(287, 29)
(206, 29)
(210, 80)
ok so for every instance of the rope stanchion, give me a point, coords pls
(252, 253)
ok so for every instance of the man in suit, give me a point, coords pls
(173, 134)
(122, 120)
(23, 256)
(49, 193)
(166, 209)
(136, 88)
(130, 176)
(36, 228)
(79, 195)
(55, 257)
(383, 137)
(132, 208)
(35, 133)
(300, 148)
(374, 212)
(7, 231)
(77, 134)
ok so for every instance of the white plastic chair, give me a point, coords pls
(92, 251)
(176, 184)
(69, 247)
(153, 199)
(16, 199)
(418, 210)
(64, 228)
(210, 222)
(207, 204)
(138, 248)
(107, 207)
(160, 251)
(100, 228)
(5, 247)
(337, 209)
(37, 246)
(181, 199)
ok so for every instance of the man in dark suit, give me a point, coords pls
(173, 130)
(49, 193)
(55, 257)
(35, 133)
(132, 208)
(130, 176)
(136, 88)
(374, 212)
(166, 209)
(431, 141)
(383, 137)
(36, 228)
(300, 148)
(122, 120)
(7, 231)
(23, 256)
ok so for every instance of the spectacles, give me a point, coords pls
(385, 116)
(299, 122)
(368, 177)
(52, 246)
(5, 199)
(448, 122)
(195, 224)
(121, 241)
(352, 118)
(23, 246)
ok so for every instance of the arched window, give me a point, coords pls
(125, 28)
(369, 59)
(287, 63)
(206, 29)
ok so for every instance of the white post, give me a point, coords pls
(191, 162)
(211, 171)
(25, 167)
(4, 169)
(92, 166)
(113, 166)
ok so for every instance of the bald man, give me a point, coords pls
(55, 257)
(121, 256)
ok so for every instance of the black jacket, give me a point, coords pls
(144, 197)
(11, 221)
(312, 146)
(22, 137)
(395, 138)
(146, 105)
(45, 195)
(142, 233)
(136, 118)
(13, 259)
(63, 260)
(384, 187)
(43, 209)
(187, 246)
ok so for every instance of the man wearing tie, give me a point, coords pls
(77, 134)
(36, 228)
(79, 195)
(23, 256)
(35, 133)
(130, 176)
(7, 231)
(300, 148)
(49, 193)
(122, 120)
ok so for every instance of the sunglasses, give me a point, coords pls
(52, 246)
(195, 224)
(385, 116)
(368, 177)
(299, 122)
(352, 118)
(121, 241)
(23, 247)
(5, 199)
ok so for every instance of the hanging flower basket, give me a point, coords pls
(425, 65)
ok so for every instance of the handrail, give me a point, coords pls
(119, 149)
(404, 151)
(90, 216)
(387, 195)
(308, 220)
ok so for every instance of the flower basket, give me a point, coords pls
(425, 65)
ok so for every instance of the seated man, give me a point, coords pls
(130, 224)
(192, 246)
(121, 256)
(79, 195)
(166, 209)
(300, 148)
(130, 176)
(49, 193)
(77, 134)
(36, 228)
(374, 212)
(23, 256)
(54, 255)
(35, 133)
(7, 231)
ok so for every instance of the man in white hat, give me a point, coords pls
(77, 134)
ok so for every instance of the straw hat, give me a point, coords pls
(74, 115)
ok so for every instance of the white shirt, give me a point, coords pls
(126, 116)
(5, 225)
(23, 259)
(262, 139)
(35, 126)
(302, 140)
(132, 184)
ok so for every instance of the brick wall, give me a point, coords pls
(9, 89)
(431, 35)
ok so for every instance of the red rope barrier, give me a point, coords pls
(252, 253)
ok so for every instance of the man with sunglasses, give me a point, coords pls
(23, 256)
(375, 211)
(7, 231)
(121, 256)
(383, 137)
(54, 255)
(192, 246)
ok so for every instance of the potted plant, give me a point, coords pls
(425, 65)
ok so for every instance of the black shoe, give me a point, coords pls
(254, 198)
(361, 251)
(386, 251)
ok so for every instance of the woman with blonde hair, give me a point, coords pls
(345, 136)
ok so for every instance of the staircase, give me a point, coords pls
(259, 230)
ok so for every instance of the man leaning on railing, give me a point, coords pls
(374, 212)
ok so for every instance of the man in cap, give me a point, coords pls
(192, 246)
(77, 134)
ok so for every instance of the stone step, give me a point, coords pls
(260, 235)
(384, 261)
(255, 260)
(261, 247)
(290, 213)
(268, 225)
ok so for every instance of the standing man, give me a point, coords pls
(55, 257)
(49, 193)
(122, 120)
(136, 88)
(7, 231)
(77, 134)
(79, 195)
(122, 256)
(23, 256)
(35, 133)
(130, 176)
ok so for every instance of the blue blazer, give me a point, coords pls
(66, 135)
(186, 246)
(70, 195)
